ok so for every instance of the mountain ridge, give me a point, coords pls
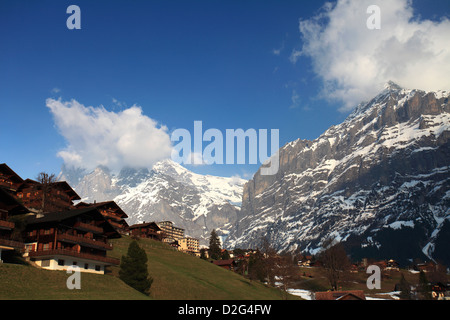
(197, 203)
(349, 182)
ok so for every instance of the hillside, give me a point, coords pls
(378, 182)
(176, 276)
(23, 282)
(180, 276)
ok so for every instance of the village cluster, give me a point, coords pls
(40, 222)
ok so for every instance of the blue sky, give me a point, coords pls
(230, 64)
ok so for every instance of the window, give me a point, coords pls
(86, 266)
(60, 262)
(74, 263)
(97, 268)
(46, 246)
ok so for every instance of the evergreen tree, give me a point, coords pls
(405, 289)
(423, 289)
(133, 269)
(203, 254)
(215, 250)
(225, 255)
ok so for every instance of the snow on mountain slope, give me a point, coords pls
(197, 203)
(385, 168)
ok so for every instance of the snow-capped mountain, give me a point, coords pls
(379, 182)
(197, 203)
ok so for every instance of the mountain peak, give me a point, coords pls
(392, 86)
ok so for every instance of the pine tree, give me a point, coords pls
(424, 289)
(405, 289)
(133, 269)
(215, 250)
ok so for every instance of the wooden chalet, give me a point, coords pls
(9, 207)
(340, 295)
(225, 264)
(149, 230)
(78, 237)
(429, 266)
(440, 291)
(59, 196)
(8, 178)
(112, 213)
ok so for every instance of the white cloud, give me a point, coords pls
(96, 136)
(355, 62)
(295, 99)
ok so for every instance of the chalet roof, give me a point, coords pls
(102, 205)
(9, 203)
(61, 185)
(67, 189)
(144, 225)
(6, 170)
(55, 217)
(223, 262)
(340, 295)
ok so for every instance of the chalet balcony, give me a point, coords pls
(71, 253)
(6, 225)
(87, 227)
(100, 244)
(11, 243)
(116, 225)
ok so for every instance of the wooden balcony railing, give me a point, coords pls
(87, 227)
(11, 243)
(72, 253)
(85, 241)
(6, 224)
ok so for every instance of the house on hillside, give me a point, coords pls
(440, 291)
(190, 245)
(9, 207)
(112, 213)
(392, 265)
(340, 295)
(149, 230)
(171, 233)
(305, 261)
(53, 233)
(225, 264)
(56, 196)
(78, 237)
(429, 266)
(9, 179)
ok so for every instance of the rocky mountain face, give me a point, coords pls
(379, 182)
(197, 203)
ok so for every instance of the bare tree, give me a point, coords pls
(287, 272)
(45, 184)
(270, 257)
(335, 261)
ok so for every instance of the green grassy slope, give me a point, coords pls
(29, 283)
(176, 276)
(180, 276)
